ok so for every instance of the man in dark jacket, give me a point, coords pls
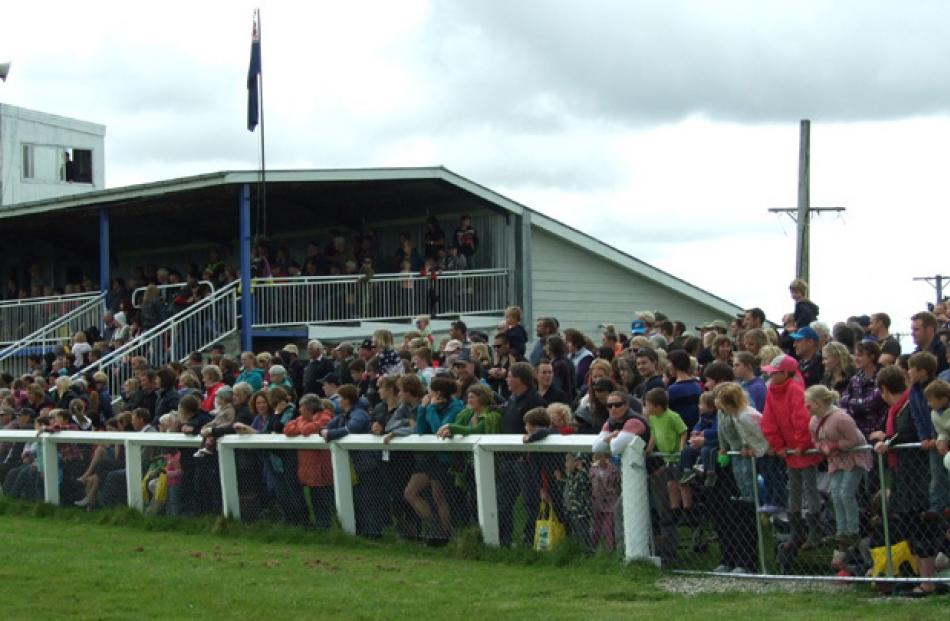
(809, 356)
(317, 368)
(515, 477)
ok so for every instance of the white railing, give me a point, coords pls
(328, 299)
(27, 315)
(165, 290)
(638, 540)
(58, 332)
(194, 329)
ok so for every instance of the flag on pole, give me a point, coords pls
(253, 76)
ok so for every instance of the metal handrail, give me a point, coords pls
(46, 300)
(192, 310)
(64, 319)
(177, 285)
(346, 278)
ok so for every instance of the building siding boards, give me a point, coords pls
(583, 290)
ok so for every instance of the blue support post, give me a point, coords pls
(104, 250)
(247, 303)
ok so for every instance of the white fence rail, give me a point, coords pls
(328, 299)
(193, 329)
(58, 332)
(27, 315)
(638, 544)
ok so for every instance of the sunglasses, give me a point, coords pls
(615, 404)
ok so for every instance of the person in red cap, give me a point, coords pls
(785, 424)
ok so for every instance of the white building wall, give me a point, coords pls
(584, 290)
(19, 126)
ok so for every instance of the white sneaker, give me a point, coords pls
(723, 569)
(740, 570)
(84, 502)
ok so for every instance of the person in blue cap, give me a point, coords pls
(808, 352)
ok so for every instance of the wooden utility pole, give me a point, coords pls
(937, 282)
(801, 215)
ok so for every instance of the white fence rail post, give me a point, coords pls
(133, 475)
(227, 468)
(343, 487)
(635, 496)
(486, 493)
(50, 469)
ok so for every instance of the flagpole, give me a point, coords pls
(263, 188)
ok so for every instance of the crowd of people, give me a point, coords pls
(806, 406)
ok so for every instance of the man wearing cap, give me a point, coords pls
(463, 369)
(318, 366)
(343, 355)
(809, 356)
(290, 354)
(878, 328)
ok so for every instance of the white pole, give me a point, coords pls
(227, 470)
(50, 470)
(343, 487)
(635, 495)
(486, 495)
(133, 475)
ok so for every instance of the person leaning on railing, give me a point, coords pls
(908, 500)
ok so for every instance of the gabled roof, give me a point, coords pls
(225, 178)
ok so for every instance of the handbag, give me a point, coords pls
(548, 530)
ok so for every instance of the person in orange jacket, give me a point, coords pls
(314, 470)
(785, 424)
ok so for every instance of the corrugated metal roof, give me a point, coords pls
(183, 184)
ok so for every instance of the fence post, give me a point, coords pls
(227, 470)
(486, 494)
(758, 523)
(133, 475)
(50, 470)
(635, 495)
(887, 529)
(343, 487)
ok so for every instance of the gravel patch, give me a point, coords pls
(694, 585)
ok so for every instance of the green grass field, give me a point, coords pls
(58, 563)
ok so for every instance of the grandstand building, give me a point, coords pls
(524, 258)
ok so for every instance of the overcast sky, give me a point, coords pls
(666, 129)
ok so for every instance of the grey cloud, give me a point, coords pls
(643, 62)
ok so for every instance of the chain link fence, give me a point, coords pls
(885, 520)
(734, 514)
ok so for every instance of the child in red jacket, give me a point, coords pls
(785, 424)
(313, 466)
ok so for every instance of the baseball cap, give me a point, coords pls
(290, 348)
(718, 324)
(453, 345)
(331, 378)
(783, 363)
(366, 344)
(637, 326)
(464, 357)
(804, 333)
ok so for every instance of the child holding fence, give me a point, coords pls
(739, 430)
(835, 433)
(785, 424)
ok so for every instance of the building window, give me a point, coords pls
(57, 164)
(28, 161)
